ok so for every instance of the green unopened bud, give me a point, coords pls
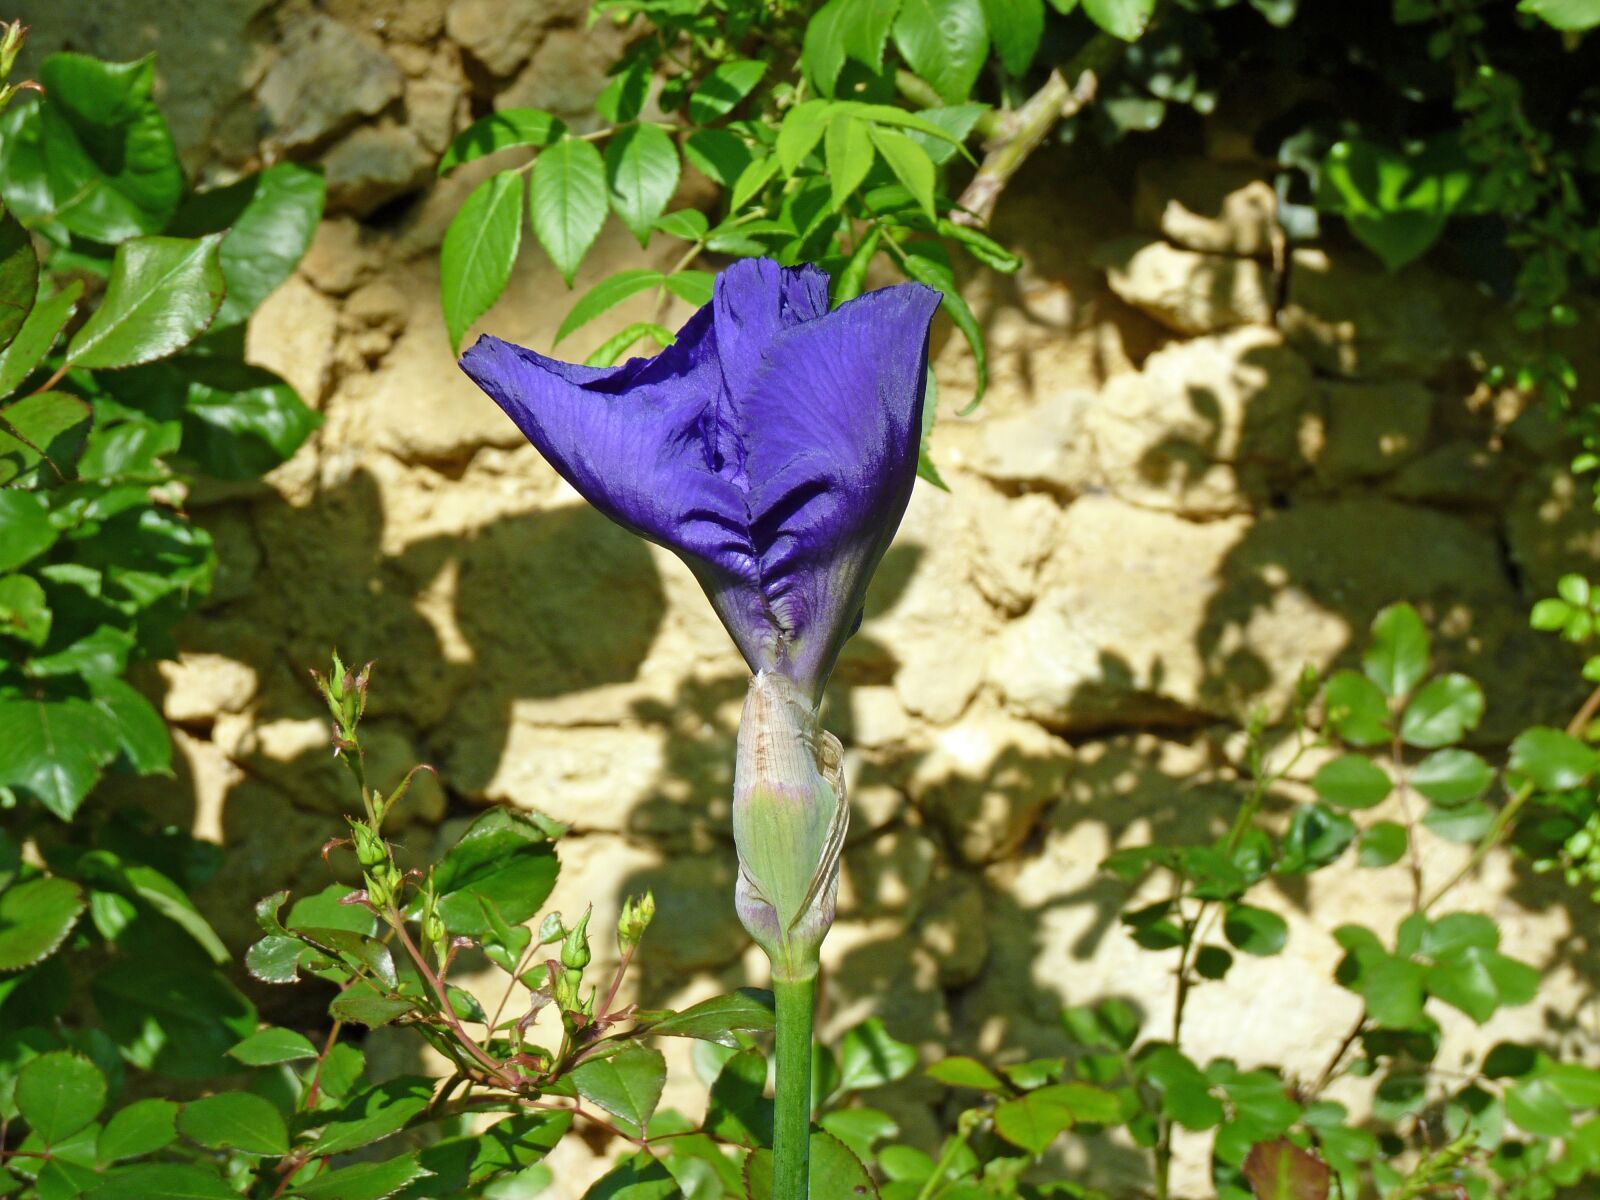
(789, 821)
(371, 852)
(12, 35)
(565, 990)
(637, 913)
(575, 954)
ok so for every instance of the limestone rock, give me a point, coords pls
(293, 333)
(567, 72)
(1209, 426)
(1371, 429)
(341, 255)
(1017, 538)
(986, 780)
(1185, 290)
(1205, 205)
(433, 107)
(954, 929)
(326, 80)
(1352, 318)
(887, 876)
(1042, 446)
(202, 686)
(375, 164)
(1458, 473)
(499, 34)
(1552, 530)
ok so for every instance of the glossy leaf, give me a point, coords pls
(24, 611)
(834, 1170)
(1015, 27)
(273, 1045)
(54, 750)
(374, 1114)
(1442, 712)
(869, 1057)
(607, 353)
(479, 251)
(503, 858)
(501, 131)
(58, 1094)
(945, 42)
(26, 530)
(847, 148)
(367, 1181)
(1397, 655)
(627, 1083)
(171, 1018)
(1451, 776)
(568, 202)
(1124, 19)
(1351, 781)
(1356, 709)
(605, 295)
(162, 294)
(641, 165)
(19, 278)
(1381, 844)
(238, 1121)
(240, 421)
(740, 1111)
(1554, 760)
(40, 438)
(720, 1017)
(141, 1128)
(47, 317)
(720, 91)
(268, 237)
(161, 1181)
(960, 1071)
(1256, 931)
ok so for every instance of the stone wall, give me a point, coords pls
(1203, 463)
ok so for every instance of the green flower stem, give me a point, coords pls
(791, 1142)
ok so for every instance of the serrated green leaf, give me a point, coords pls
(369, 1181)
(54, 750)
(1442, 712)
(19, 278)
(1451, 776)
(869, 1057)
(1397, 654)
(161, 295)
(479, 251)
(1382, 844)
(848, 153)
(834, 1170)
(505, 858)
(802, 128)
(26, 530)
(607, 353)
(1256, 931)
(374, 1114)
(627, 1084)
(718, 1018)
(40, 438)
(641, 166)
(1351, 781)
(239, 1121)
(240, 421)
(270, 1046)
(161, 1181)
(721, 90)
(360, 1005)
(1015, 27)
(24, 611)
(1554, 760)
(568, 202)
(270, 234)
(46, 319)
(1124, 19)
(170, 1018)
(963, 1072)
(945, 42)
(1537, 1108)
(58, 1094)
(141, 1128)
(718, 154)
(500, 131)
(605, 295)
(739, 1110)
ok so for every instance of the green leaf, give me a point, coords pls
(1031, 1122)
(641, 167)
(1280, 1170)
(1382, 844)
(848, 283)
(802, 128)
(751, 180)
(719, 155)
(1125, 19)
(104, 871)
(240, 421)
(834, 1170)
(822, 51)
(268, 237)
(47, 317)
(1356, 709)
(239, 1121)
(690, 224)
(924, 268)
(1317, 835)
(1255, 930)
(40, 438)
(275, 959)
(360, 1005)
(366, 1181)
(945, 42)
(870, 1058)
(623, 98)
(54, 750)
(501, 131)
(24, 611)
(19, 278)
(26, 530)
(1015, 26)
(1573, 16)
(568, 202)
(1442, 712)
(374, 1114)
(480, 248)
(848, 153)
(141, 1128)
(695, 287)
(130, 452)
(504, 858)
(101, 653)
(961, 1071)
(717, 1019)
(1397, 655)
(980, 245)
(1464, 823)
(720, 91)
(162, 294)
(636, 1178)
(1537, 1108)
(58, 1094)
(605, 295)
(1396, 203)
(161, 1181)
(270, 1046)
(1554, 760)
(168, 1017)
(607, 353)
(739, 1110)
(627, 1084)
(1351, 781)
(1451, 776)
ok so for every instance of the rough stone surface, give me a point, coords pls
(293, 332)
(1371, 429)
(325, 81)
(1203, 205)
(1187, 291)
(1209, 426)
(200, 687)
(499, 34)
(566, 73)
(373, 165)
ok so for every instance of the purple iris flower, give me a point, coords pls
(772, 447)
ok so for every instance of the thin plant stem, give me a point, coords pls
(791, 1142)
